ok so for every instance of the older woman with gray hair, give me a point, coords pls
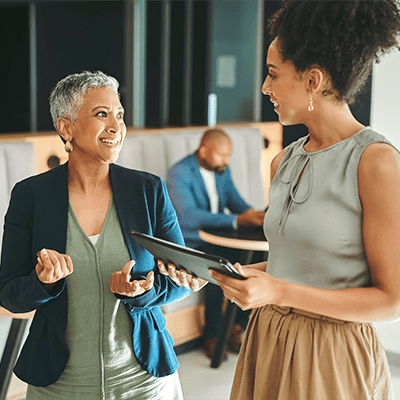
(98, 331)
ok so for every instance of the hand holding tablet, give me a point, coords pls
(181, 277)
(195, 262)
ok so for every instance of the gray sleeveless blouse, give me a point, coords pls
(314, 224)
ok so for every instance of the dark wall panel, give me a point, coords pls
(153, 64)
(177, 63)
(14, 68)
(73, 36)
(267, 108)
(361, 108)
(200, 49)
(201, 62)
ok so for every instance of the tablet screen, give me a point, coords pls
(195, 262)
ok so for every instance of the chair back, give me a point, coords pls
(17, 161)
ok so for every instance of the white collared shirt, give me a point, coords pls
(209, 180)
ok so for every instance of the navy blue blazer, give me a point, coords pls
(37, 218)
(191, 201)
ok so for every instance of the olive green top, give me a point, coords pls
(102, 364)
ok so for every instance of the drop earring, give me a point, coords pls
(68, 147)
(311, 105)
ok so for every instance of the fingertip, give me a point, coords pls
(128, 267)
(161, 266)
(195, 284)
(239, 267)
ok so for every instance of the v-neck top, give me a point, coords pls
(314, 220)
(102, 364)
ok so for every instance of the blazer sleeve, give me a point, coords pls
(193, 213)
(20, 288)
(165, 226)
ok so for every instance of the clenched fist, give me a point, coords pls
(120, 282)
(52, 266)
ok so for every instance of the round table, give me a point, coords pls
(245, 238)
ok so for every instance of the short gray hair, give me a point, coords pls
(67, 97)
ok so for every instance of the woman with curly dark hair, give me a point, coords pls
(333, 222)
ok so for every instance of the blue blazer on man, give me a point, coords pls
(37, 218)
(191, 201)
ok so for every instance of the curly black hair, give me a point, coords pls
(342, 37)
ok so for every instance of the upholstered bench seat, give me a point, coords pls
(17, 161)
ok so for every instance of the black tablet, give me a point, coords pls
(195, 262)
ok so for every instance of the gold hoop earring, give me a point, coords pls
(68, 146)
(311, 105)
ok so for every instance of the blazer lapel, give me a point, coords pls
(51, 212)
(127, 202)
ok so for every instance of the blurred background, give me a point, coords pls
(167, 55)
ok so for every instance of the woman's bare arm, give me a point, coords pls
(379, 190)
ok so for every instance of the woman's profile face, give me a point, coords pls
(99, 129)
(286, 89)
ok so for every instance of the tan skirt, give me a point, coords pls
(290, 354)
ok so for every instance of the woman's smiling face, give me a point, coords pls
(99, 129)
(286, 88)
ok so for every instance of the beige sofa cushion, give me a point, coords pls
(156, 153)
(17, 161)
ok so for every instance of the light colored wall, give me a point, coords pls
(385, 118)
(385, 105)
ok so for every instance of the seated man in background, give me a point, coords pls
(201, 189)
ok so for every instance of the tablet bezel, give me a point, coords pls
(197, 262)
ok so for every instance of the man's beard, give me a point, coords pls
(220, 169)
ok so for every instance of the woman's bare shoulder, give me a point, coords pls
(378, 171)
(377, 160)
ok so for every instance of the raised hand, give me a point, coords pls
(181, 277)
(120, 282)
(52, 266)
